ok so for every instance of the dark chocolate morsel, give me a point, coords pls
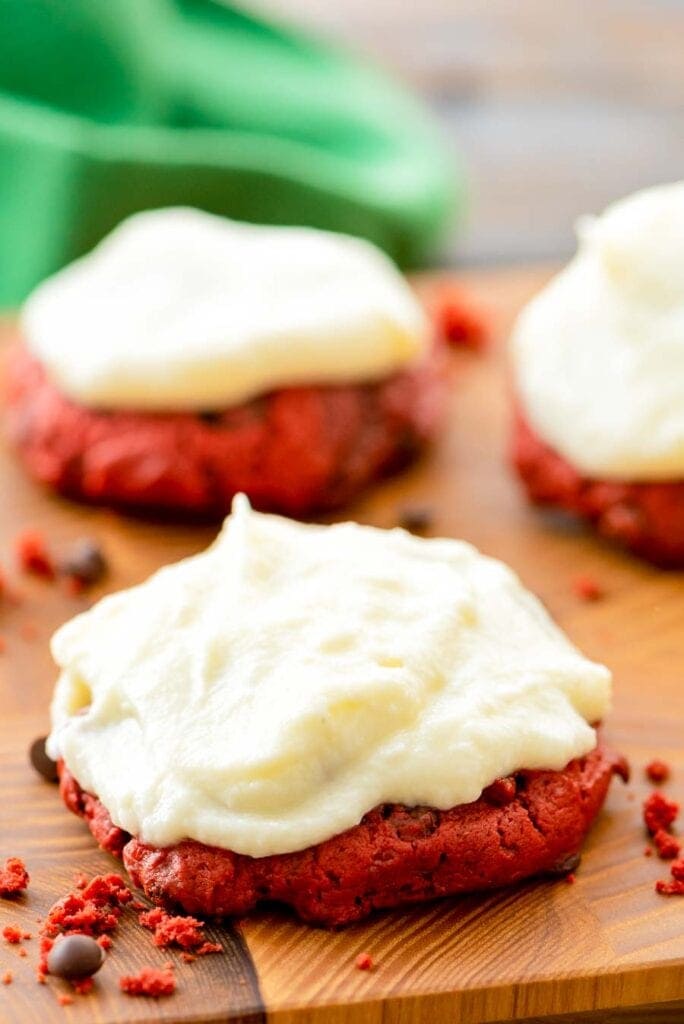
(209, 417)
(85, 561)
(416, 518)
(566, 865)
(75, 956)
(41, 761)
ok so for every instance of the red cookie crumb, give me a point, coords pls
(104, 941)
(457, 318)
(675, 888)
(587, 588)
(22, 951)
(209, 947)
(12, 933)
(94, 910)
(14, 877)
(185, 932)
(32, 554)
(570, 878)
(667, 846)
(7, 978)
(658, 771)
(150, 981)
(80, 880)
(83, 986)
(364, 962)
(188, 958)
(45, 946)
(659, 812)
(64, 999)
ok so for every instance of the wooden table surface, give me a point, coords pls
(606, 948)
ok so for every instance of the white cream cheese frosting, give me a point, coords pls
(181, 309)
(598, 355)
(264, 695)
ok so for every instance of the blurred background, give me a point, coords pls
(449, 132)
(555, 106)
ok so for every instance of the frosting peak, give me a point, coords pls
(640, 244)
(598, 354)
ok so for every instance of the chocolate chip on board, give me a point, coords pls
(211, 418)
(41, 760)
(85, 562)
(566, 865)
(416, 518)
(75, 956)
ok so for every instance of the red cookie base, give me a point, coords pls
(530, 824)
(295, 451)
(646, 518)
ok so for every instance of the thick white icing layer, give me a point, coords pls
(598, 355)
(180, 309)
(265, 694)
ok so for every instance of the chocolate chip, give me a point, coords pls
(75, 956)
(85, 562)
(416, 518)
(566, 864)
(41, 760)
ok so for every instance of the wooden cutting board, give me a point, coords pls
(606, 948)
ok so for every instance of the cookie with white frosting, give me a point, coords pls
(335, 717)
(189, 357)
(598, 368)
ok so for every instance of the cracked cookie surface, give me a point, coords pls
(296, 450)
(646, 518)
(532, 823)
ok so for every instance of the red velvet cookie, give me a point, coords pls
(530, 824)
(646, 518)
(295, 450)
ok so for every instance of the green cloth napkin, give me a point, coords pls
(112, 106)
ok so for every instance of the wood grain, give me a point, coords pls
(604, 949)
